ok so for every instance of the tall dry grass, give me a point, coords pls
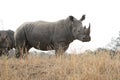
(71, 67)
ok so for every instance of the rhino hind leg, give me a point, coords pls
(17, 53)
(22, 50)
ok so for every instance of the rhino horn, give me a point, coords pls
(88, 30)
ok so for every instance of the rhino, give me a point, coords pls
(45, 35)
(6, 41)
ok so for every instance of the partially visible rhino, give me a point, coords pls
(6, 41)
(50, 35)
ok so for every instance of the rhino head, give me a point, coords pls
(3, 39)
(79, 31)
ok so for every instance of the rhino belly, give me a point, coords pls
(40, 37)
(40, 43)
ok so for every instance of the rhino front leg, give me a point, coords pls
(60, 48)
(6, 51)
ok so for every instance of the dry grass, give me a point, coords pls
(73, 67)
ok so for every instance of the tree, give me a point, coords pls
(115, 43)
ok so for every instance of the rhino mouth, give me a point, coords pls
(86, 39)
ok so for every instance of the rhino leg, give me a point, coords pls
(20, 52)
(17, 52)
(22, 49)
(60, 48)
(4, 51)
(0, 52)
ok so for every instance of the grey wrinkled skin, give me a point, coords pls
(50, 35)
(6, 41)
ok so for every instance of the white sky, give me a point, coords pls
(104, 16)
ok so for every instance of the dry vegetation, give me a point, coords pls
(73, 67)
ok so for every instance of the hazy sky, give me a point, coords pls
(104, 16)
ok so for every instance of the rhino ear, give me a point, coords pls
(82, 18)
(71, 18)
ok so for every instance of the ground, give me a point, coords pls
(87, 66)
